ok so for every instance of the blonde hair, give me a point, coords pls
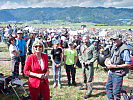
(36, 42)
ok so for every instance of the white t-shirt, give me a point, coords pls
(11, 49)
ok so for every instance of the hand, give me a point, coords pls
(107, 62)
(46, 75)
(40, 76)
(57, 65)
(86, 63)
(74, 66)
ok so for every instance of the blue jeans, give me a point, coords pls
(114, 86)
(55, 70)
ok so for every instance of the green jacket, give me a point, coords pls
(89, 55)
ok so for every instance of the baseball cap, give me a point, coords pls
(70, 42)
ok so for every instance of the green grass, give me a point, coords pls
(74, 25)
(65, 93)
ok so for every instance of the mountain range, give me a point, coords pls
(98, 15)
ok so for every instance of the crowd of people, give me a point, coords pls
(81, 49)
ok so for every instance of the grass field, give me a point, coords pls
(73, 25)
(65, 93)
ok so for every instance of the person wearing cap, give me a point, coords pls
(70, 60)
(87, 56)
(117, 64)
(56, 57)
(20, 43)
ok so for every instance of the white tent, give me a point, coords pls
(103, 33)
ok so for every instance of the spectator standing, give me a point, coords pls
(14, 58)
(56, 57)
(70, 60)
(30, 42)
(36, 67)
(87, 56)
(130, 74)
(21, 46)
(118, 67)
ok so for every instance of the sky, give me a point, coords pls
(13, 4)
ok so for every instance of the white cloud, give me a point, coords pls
(8, 4)
(119, 3)
(11, 5)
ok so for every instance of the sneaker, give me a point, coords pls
(82, 88)
(54, 85)
(86, 96)
(69, 84)
(59, 85)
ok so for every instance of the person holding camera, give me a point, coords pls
(117, 64)
(20, 43)
(87, 56)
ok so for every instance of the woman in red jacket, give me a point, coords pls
(36, 67)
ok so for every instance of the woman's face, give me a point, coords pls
(38, 48)
(13, 41)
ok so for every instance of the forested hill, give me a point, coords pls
(99, 15)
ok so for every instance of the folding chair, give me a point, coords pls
(19, 83)
(125, 95)
(4, 83)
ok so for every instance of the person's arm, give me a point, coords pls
(25, 47)
(75, 59)
(61, 59)
(94, 54)
(46, 74)
(27, 69)
(52, 59)
(65, 61)
(16, 53)
(28, 42)
(80, 56)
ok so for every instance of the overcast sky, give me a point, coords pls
(8, 4)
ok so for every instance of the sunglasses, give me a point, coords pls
(115, 39)
(40, 46)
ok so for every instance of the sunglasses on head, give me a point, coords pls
(40, 46)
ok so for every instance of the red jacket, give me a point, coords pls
(32, 65)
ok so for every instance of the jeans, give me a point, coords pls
(15, 67)
(55, 70)
(114, 86)
(72, 70)
(22, 60)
